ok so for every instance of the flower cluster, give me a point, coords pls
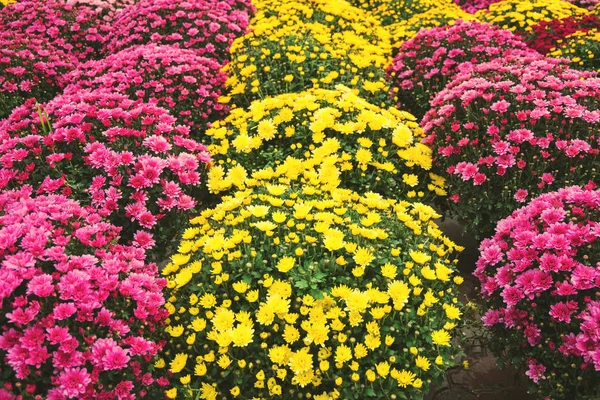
(521, 15)
(540, 277)
(106, 9)
(277, 57)
(548, 34)
(394, 11)
(379, 146)
(80, 315)
(298, 288)
(581, 48)
(125, 158)
(208, 27)
(436, 17)
(426, 63)
(472, 6)
(74, 28)
(179, 80)
(510, 129)
(339, 16)
(31, 67)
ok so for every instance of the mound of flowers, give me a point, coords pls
(298, 288)
(380, 146)
(581, 48)
(75, 28)
(436, 17)
(207, 27)
(339, 16)
(472, 6)
(521, 15)
(179, 80)
(508, 130)
(127, 159)
(539, 278)
(31, 67)
(548, 34)
(106, 9)
(394, 11)
(277, 58)
(425, 64)
(80, 315)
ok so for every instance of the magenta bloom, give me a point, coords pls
(73, 382)
(540, 277)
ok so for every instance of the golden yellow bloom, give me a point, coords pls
(171, 393)
(301, 361)
(363, 256)
(200, 369)
(343, 353)
(383, 369)
(389, 271)
(224, 361)
(423, 363)
(174, 331)
(405, 378)
(240, 287)
(419, 257)
(452, 312)
(285, 264)
(333, 239)
(178, 363)
(252, 296)
(208, 300)
(208, 392)
(441, 337)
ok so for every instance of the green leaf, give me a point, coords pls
(301, 284)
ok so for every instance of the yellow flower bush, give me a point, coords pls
(395, 11)
(338, 15)
(407, 29)
(521, 15)
(279, 57)
(296, 288)
(380, 147)
(582, 48)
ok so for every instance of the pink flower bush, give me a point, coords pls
(80, 315)
(540, 280)
(208, 27)
(427, 62)
(73, 28)
(126, 159)
(472, 6)
(31, 67)
(179, 80)
(107, 9)
(508, 130)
